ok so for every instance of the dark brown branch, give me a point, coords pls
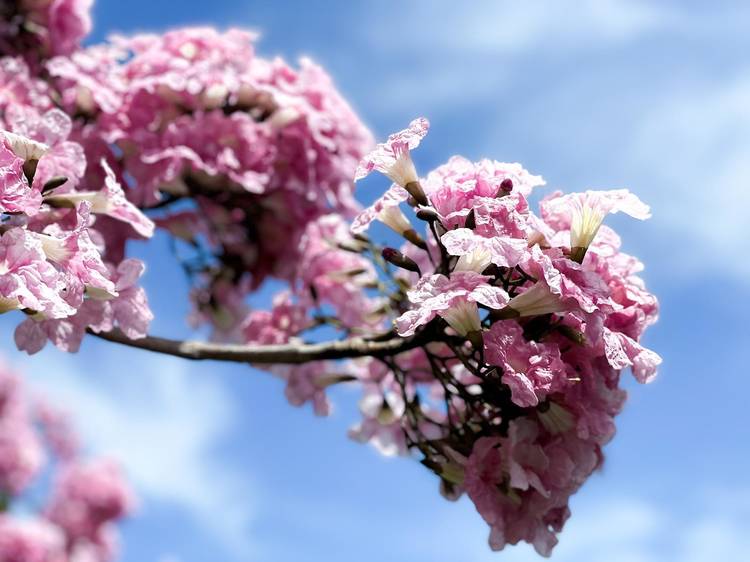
(265, 354)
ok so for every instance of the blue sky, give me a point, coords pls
(590, 94)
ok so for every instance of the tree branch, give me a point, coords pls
(264, 354)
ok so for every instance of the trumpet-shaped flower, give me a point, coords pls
(585, 213)
(110, 201)
(454, 298)
(476, 252)
(392, 157)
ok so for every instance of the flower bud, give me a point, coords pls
(506, 186)
(427, 214)
(416, 191)
(471, 221)
(398, 259)
(54, 183)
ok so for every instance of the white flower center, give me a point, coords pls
(402, 171)
(463, 317)
(586, 220)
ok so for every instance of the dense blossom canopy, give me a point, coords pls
(489, 345)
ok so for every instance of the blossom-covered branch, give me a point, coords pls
(489, 340)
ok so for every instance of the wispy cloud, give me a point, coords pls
(693, 147)
(615, 528)
(468, 55)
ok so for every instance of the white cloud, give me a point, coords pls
(163, 420)
(616, 529)
(510, 27)
(693, 145)
(448, 51)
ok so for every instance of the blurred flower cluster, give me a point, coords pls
(516, 328)
(76, 521)
(35, 29)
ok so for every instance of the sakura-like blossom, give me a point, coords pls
(386, 210)
(392, 158)
(493, 349)
(454, 298)
(87, 497)
(531, 370)
(476, 252)
(16, 195)
(110, 201)
(27, 279)
(517, 391)
(585, 212)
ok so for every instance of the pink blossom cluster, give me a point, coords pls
(62, 236)
(37, 29)
(87, 497)
(519, 325)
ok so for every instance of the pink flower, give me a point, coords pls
(69, 23)
(110, 201)
(49, 27)
(44, 136)
(457, 187)
(25, 148)
(16, 195)
(392, 157)
(622, 351)
(90, 79)
(386, 210)
(455, 299)
(536, 300)
(21, 454)
(584, 213)
(336, 276)
(27, 279)
(129, 311)
(307, 383)
(30, 540)
(530, 369)
(284, 321)
(476, 252)
(381, 423)
(88, 496)
(503, 477)
(74, 251)
(57, 428)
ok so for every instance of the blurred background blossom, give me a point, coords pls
(590, 94)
